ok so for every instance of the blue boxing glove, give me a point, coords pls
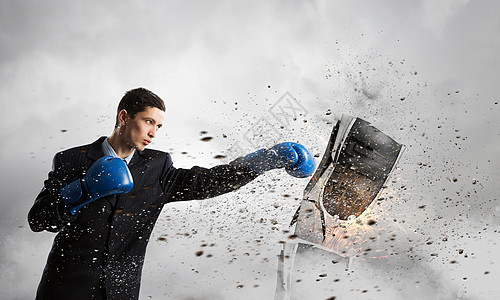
(295, 158)
(107, 176)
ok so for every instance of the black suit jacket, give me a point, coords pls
(99, 252)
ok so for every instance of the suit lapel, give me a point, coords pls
(138, 166)
(95, 149)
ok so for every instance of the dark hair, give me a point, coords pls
(137, 100)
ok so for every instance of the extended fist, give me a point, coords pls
(295, 158)
(107, 176)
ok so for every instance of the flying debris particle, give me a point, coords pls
(224, 136)
(219, 156)
(474, 181)
(371, 222)
(206, 139)
(486, 272)
(239, 286)
(421, 207)
(402, 98)
(64, 130)
(292, 237)
(331, 298)
(203, 132)
(453, 261)
(199, 253)
(323, 275)
(162, 239)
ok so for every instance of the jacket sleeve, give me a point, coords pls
(201, 183)
(49, 212)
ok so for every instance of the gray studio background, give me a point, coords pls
(248, 74)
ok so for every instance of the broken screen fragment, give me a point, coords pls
(356, 165)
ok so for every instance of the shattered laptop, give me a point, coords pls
(356, 165)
